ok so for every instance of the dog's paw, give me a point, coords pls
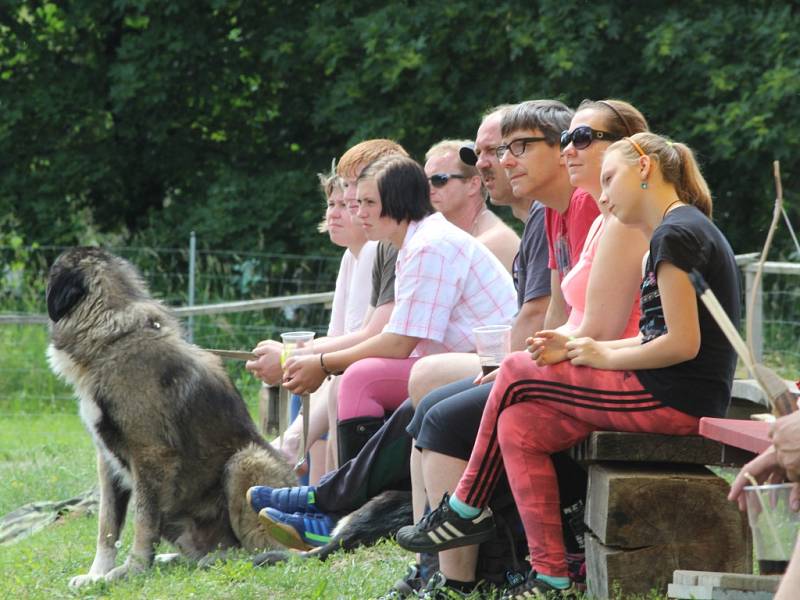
(83, 580)
(131, 567)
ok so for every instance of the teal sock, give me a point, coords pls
(560, 583)
(462, 509)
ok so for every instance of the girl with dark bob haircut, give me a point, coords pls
(403, 187)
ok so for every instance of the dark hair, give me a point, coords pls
(623, 119)
(551, 117)
(403, 187)
(677, 164)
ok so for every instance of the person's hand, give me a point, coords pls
(303, 374)
(763, 468)
(268, 365)
(547, 347)
(480, 379)
(785, 434)
(586, 352)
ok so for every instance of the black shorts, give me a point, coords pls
(447, 420)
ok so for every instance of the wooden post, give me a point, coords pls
(269, 409)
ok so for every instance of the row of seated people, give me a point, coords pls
(607, 332)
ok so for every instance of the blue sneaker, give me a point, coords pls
(302, 531)
(287, 499)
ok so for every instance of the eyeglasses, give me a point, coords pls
(439, 180)
(583, 135)
(516, 147)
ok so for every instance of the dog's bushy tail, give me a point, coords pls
(379, 518)
(253, 465)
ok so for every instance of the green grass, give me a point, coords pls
(50, 457)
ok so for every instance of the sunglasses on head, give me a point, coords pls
(583, 136)
(439, 180)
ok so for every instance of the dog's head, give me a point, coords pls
(91, 276)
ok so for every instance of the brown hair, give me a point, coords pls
(677, 164)
(623, 118)
(366, 152)
(551, 117)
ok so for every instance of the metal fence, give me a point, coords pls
(241, 298)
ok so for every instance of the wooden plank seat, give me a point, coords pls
(653, 507)
(614, 446)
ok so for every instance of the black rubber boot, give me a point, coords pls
(352, 434)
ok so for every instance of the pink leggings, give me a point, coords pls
(533, 412)
(373, 386)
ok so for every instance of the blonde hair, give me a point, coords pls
(328, 183)
(366, 152)
(677, 164)
(453, 146)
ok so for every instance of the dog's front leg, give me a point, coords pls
(146, 527)
(114, 497)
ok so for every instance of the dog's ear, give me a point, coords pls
(66, 288)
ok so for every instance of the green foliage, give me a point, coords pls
(143, 120)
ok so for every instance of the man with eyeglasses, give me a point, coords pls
(458, 193)
(446, 422)
(531, 157)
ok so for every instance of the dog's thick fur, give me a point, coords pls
(170, 429)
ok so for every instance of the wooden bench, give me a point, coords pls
(653, 507)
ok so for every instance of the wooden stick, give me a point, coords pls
(780, 397)
(776, 215)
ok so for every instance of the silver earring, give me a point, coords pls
(644, 185)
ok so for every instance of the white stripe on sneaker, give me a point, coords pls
(452, 529)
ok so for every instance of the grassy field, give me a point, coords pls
(50, 457)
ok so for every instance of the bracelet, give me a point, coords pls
(325, 369)
(322, 364)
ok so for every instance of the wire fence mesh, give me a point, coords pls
(26, 382)
(27, 385)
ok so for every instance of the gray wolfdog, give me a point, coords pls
(170, 429)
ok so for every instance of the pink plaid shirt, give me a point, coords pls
(447, 283)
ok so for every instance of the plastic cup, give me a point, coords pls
(295, 340)
(774, 525)
(493, 343)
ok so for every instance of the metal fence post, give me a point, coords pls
(192, 251)
(757, 343)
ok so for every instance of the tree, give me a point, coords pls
(146, 119)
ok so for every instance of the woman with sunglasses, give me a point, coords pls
(446, 284)
(679, 368)
(608, 273)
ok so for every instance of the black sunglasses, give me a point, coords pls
(516, 147)
(583, 135)
(439, 180)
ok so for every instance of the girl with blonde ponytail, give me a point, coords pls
(678, 369)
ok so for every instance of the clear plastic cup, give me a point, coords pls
(493, 343)
(774, 525)
(295, 340)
